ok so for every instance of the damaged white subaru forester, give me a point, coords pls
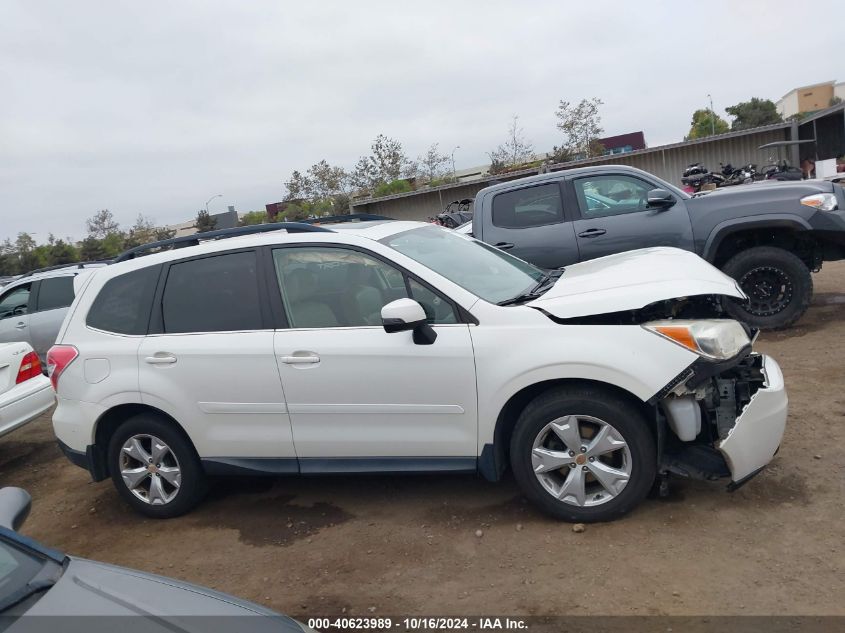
(401, 347)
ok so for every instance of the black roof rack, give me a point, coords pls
(349, 217)
(60, 266)
(196, 238)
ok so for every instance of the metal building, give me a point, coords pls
(826, 127)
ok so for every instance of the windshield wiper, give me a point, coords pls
(536, 290)
(36, 586)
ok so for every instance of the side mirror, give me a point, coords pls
(660, 199)
(403, 315)
(14, 507)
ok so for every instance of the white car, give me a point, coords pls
(406, 347)
(25, 391)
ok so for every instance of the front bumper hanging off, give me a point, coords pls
(758, 431)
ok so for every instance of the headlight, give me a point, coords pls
(821, 201)
(716, 339)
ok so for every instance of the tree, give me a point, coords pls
(387, 162)
(142, 232)
(753, 113)
(703, 124)
(253, 217)
(581, 126)
(432, 163)
(298, 186)
(28, 258)
(102, 224)
(515, 150)
(61, 252)
(205, 222)
(91, 249)
(834, 101)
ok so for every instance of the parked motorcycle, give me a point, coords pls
(781, 171)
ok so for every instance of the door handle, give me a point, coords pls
(160, 360)
(592, 233)
(504, 245)
(305, 359)
(20, 326)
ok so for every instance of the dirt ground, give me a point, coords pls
(408, 545)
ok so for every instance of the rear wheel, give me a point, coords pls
(155, 468)
(583, 454)
(778, 284)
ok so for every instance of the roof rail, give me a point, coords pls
(196, 238)
(349, 217)
(61, 266)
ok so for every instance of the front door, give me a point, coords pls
(615, 217)
(209, 362)
(359, 398)
(14, 314)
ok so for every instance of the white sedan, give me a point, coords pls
(25, 392)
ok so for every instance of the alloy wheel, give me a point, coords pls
(581, 460)
(769, 290)
(150, 470)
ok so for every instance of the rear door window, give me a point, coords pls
(213, 294)
(123, 305)
(523, 208)
(54, 293)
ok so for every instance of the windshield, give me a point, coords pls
(17, 568)
(484, 270)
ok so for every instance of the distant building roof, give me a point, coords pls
(636, 140)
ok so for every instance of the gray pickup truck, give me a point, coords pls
(767, 236)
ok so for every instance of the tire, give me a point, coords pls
(777, 282)
(164, 499)
(585, 405)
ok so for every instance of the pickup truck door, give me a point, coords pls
(530, 223)
(615, 217)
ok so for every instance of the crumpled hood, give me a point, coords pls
(89, 588)
(633, 280)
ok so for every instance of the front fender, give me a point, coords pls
(770, 220)
(509, 360)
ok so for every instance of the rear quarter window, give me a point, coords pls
(124, 302)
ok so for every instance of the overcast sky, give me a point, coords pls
(153, 107)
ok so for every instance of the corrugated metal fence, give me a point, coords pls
(668, 164)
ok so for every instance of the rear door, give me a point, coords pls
(15, 305)
(531, 223)
(208, 360)
(53, 295)
(615, 216)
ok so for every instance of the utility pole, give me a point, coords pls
(454, 174)
(712, 116)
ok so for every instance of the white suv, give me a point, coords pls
(406, 347)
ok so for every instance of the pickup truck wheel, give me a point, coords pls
(583, 454)
(155, 468)
(778, 285)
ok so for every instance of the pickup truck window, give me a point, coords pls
(601, 196)
(533, 206)
(485, 271)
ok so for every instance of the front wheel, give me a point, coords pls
(155, 468)
(583, 454)
(778, 284)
